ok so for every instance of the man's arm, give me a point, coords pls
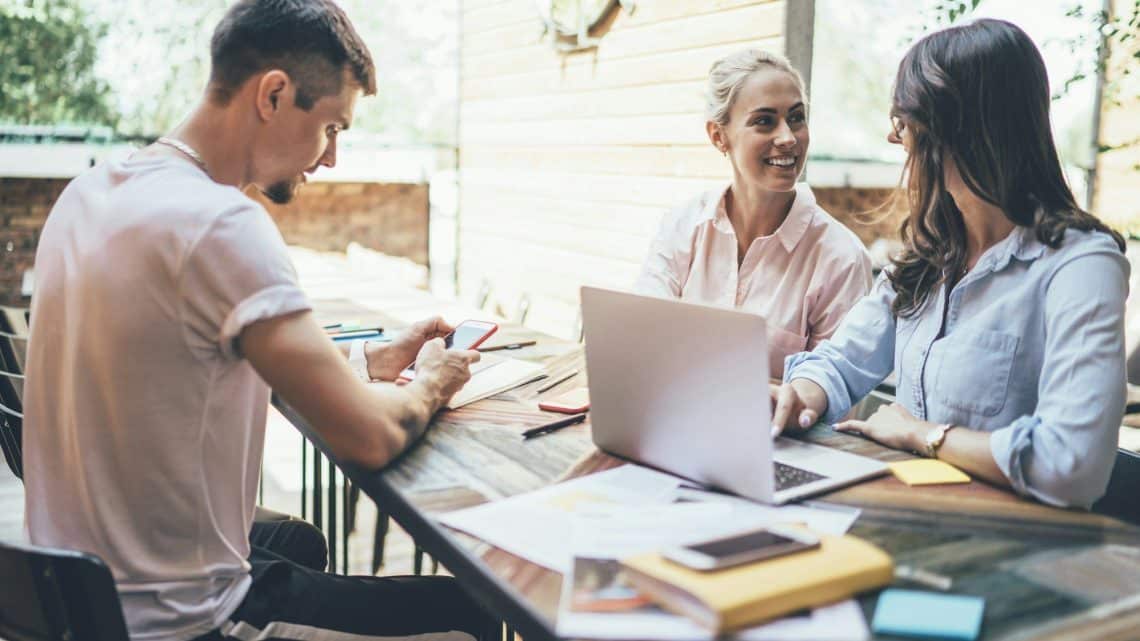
(386, 360)
(368, 426)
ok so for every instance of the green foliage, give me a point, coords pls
(156, 56)
(47, 64)
(946, 12)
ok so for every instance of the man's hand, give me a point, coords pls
(892, 426)
(443, 371)
(387, 360)
(796, 404)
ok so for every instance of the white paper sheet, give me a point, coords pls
(619, 513)
(539, 526)
(828, 518)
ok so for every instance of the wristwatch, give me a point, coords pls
(935, 438)
(358, 361)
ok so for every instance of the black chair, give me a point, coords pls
(57, 595)
(13, 351)
(1122, 499)
(12, 420)
(15, 320)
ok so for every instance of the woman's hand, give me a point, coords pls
(892, 426)
(796, 404)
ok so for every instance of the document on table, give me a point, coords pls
(491, 375)
(599, 603)
(619, 513)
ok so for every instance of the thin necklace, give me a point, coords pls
(185, 149)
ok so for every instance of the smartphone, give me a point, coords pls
(741, 548)
(575, 401)
(467, 335)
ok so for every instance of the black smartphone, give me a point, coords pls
(741, 548)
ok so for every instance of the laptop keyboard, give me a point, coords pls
(789, 477)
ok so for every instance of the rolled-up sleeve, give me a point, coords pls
(236, 273)
(1063, 454)
(856, 358)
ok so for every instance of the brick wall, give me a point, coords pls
(864, 211)
(386, 217)
(392, 218)
(24, 205)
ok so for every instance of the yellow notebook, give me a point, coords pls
(732, 598)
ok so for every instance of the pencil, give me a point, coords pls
(558, 382)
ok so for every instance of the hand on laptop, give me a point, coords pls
(445, 370)
(797, 404)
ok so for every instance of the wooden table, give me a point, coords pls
(1045, 573)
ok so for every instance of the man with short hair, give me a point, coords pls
(167, 307)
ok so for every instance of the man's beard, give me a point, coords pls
(280, 192)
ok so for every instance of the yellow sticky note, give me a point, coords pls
(926, 471)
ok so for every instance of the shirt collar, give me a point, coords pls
(1021, 243)
(789, 232)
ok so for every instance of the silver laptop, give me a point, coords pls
(684, 388)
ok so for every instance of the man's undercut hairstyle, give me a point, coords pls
(310, 40)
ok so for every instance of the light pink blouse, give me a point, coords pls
(802, 279)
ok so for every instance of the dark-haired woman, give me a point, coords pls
(1003, 315)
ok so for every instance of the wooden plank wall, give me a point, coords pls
(567, 161)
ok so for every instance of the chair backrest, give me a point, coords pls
(57, 595)
(1122, 499)
(13, 352)
(14, 320)
(12, 421)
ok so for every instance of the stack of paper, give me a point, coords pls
(621, 512)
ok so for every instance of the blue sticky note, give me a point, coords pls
(912, 613)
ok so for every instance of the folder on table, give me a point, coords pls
(732, 598)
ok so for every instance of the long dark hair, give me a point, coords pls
(977, 95)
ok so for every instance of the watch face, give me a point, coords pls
(934, 436)
(934, 440)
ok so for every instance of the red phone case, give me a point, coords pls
(409, 374)
(575, 401)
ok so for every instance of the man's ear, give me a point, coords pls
(272, 88)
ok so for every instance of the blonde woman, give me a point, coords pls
(760, 243)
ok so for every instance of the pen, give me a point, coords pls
(353, 335)
(558, 382)
(556, 425)
(508, 346)
(924, 577)
(352, 330)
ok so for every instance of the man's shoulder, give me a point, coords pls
(193, 194)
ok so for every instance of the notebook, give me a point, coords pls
(733, 598)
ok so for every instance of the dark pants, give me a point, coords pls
(292, 598)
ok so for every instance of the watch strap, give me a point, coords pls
(358, 361)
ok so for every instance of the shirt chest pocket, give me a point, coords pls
(973, 374)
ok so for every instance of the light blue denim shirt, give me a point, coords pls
(1033, 351)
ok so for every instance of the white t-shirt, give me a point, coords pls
(144, 426)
